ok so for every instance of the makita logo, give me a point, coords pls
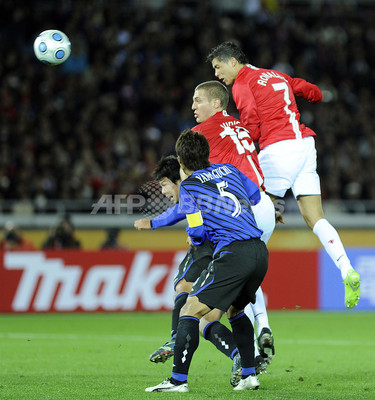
(48, 284)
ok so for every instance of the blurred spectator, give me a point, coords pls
(111, 241)
(12, 239)
(23, 207)
(62, 236)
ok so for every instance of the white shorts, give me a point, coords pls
(264, 214)
(290, 164)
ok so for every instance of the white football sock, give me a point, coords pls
(256, 353)
(258, 312)
(330, 239)
(249, 312)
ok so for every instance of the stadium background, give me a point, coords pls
(97, 124)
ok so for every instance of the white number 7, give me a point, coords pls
(292, 116)
(221, 186)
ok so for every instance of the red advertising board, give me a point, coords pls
(292, 280)
(67, 281)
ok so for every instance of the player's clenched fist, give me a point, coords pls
(142, 224)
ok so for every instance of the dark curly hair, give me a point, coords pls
(167, 167)
(225, 51)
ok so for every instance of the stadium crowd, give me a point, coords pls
(98, 123)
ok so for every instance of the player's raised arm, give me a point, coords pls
(169, 217)
(307, 90)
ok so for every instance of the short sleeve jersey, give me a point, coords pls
(266, 102)
(230, 142)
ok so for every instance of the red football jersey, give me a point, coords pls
(267, 106)
(230, 142)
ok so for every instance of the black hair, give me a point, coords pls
(167, 167)
(225, 51)
(193, 150)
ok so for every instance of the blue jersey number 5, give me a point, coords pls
(221, 187)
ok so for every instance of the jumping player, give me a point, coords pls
(266, 102)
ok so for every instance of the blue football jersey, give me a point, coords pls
(217, 202)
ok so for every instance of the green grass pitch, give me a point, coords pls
(105, 356)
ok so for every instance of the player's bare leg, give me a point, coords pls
(311, 210)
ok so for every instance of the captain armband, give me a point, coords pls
(195, 219)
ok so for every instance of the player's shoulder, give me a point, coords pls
(248, 75)
(220, 120)
(202, 127)
(249, 70)
(252, 72)
(225, 117)
(217, 118)
(211, 124)
(225, 168)
(191, 179)
(186, 187)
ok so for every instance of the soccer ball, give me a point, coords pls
(52, 47)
